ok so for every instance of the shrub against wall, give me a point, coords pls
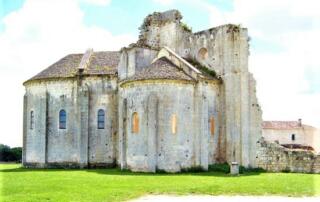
(10, 154)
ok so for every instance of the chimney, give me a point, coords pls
(300, 122)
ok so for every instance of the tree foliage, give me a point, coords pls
(10, 154)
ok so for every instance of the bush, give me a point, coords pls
(186, 27)
(10, 154)
(225, 168)
(286, 170)
(243, 169)
(160, 171)
(195, 169)
(220, 167)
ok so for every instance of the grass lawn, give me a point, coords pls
(20, 184)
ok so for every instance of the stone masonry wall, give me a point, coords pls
(223, 49)
(81, 144)
(155, 146)
(102, 142)
(275, 158)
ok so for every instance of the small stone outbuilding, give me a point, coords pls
(292, 134)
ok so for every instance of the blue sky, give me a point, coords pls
(8, 6)
(125, 16)
(120, 17)
(283, 48)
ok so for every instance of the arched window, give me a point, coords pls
(212, 125)
(174, 124)
(203, 53)
(31, 120)
(101, 119)
(293, 137)
(62, 119)
(135, 122)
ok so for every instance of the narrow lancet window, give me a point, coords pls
(212, 125)
(101, 119)
(174, 124)
(31, 120)
(135, 122)
(62, 119)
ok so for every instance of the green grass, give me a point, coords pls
(20, 184)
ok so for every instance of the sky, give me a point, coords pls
(284, 47)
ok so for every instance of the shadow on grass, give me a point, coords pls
(117, 171)
(204, 173)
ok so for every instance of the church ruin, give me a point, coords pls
(173, 100)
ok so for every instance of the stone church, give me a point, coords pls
(173, 100)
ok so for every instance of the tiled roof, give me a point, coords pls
(281, 125)
(298, 146)
(162, 68)
(105, 62)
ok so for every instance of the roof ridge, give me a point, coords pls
(85, 60)
(183, 60)
(161, 68)
(172, 63)
(166, 58)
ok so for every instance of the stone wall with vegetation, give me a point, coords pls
(276, 158)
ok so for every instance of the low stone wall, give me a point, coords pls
(275, 158)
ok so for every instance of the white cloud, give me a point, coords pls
(98, 2)
(164, 2)
(294, 26)
(35, 36)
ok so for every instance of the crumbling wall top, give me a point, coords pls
(228, 27)
(158, 18)
(153, 24)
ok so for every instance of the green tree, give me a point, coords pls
(10, 154)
